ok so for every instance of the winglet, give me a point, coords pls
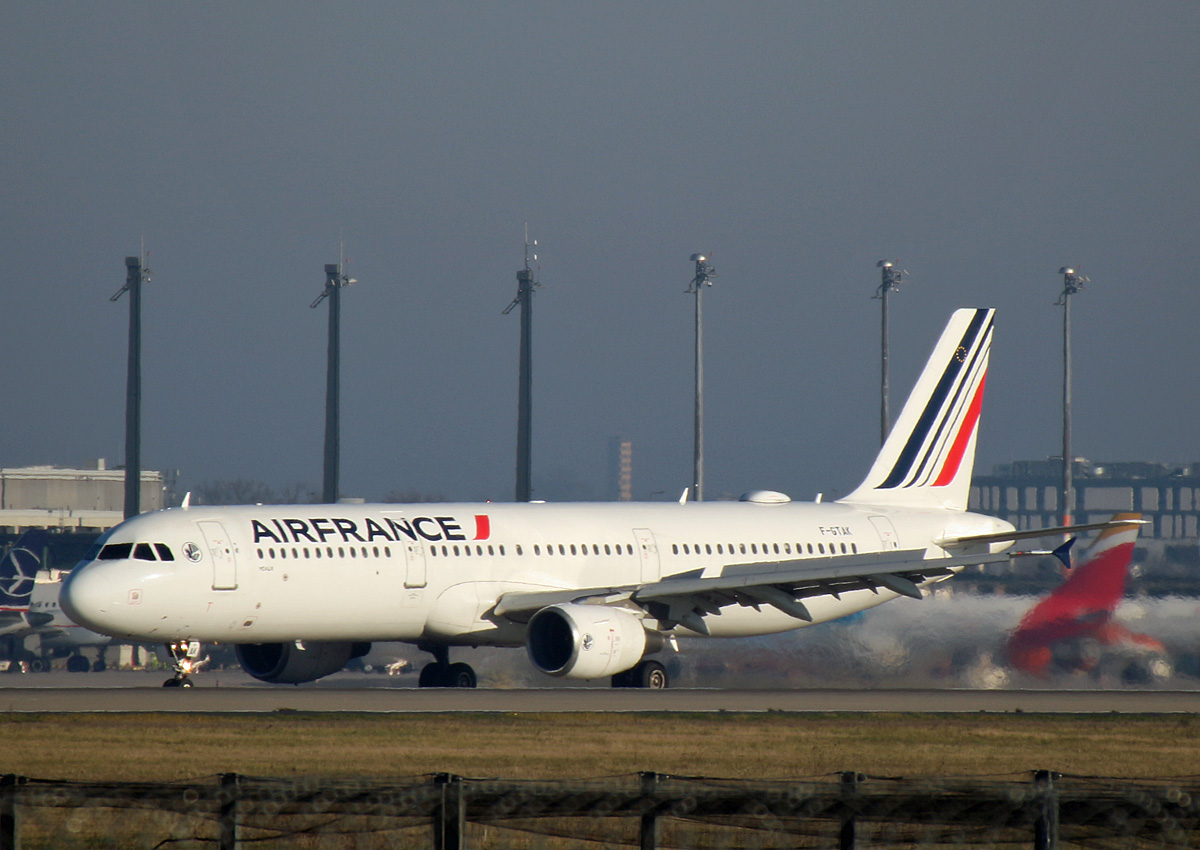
(1063, 552)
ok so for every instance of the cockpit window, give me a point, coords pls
(144, 552)
(164, 552)
(115, 552)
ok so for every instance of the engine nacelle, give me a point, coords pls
(584, 641)
(295, 662)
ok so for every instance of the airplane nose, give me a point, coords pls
(86, 596)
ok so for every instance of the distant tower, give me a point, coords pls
(335, 281)
(525, 286)
(890, 282)
(620, 468)
(703, 277)
(135, 275)
(1072, 283)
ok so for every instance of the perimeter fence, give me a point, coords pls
(648, 810)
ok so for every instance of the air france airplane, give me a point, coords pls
(591, 590)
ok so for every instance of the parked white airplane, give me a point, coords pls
(589, 589)
(29, 606)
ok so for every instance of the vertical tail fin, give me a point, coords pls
(19, 567)
(1081, 608)
(927, 459)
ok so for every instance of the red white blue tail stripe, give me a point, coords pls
(928, 458)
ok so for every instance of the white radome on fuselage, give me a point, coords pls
(397, 573)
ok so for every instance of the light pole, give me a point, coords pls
(890, 282)
(335, 280)
(1072, 283)
(703, 277)
(525, 286)
(135, 276)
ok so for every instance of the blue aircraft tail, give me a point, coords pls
(20, 565)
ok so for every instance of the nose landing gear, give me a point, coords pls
(185, 658)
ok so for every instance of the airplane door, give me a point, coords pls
(414, 554)
(648, 552)
(220, 549)
(887, 532)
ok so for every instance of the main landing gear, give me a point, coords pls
(185, 658)
(647, 674)
(442, 674)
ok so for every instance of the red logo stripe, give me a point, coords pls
(954, 458)
(483, 527)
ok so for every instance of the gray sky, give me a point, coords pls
(983, 145)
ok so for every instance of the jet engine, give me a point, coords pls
(296, 661)
(585, 641)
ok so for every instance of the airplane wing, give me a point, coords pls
(1034, 533)
(685, 597)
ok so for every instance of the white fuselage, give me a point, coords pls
(432, 573)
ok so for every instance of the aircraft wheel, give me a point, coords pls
(78, 664)
(431, 676)
(185, 682)
(38, 664)
(171, 683)
(650, 674)
(460, 675)
(99, 666)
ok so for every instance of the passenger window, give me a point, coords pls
(685, 549)
(144, 552)
(821, 548)
(628, 548)
(720, 549)
(810, 548)
(776, 548)
(572, 548)
(537, 549)
(164, 552)
(562, 550)
(491, 551)
(742, 548)
(708, 548)
(674, 548)
(753, 548)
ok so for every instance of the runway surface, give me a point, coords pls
(119, 692)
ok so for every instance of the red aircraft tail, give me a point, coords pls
(1068, 625)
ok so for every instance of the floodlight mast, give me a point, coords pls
(335, 280)
(890, 282)
(135, 275)
(1072, 283)
(525, 286)
(703, 277)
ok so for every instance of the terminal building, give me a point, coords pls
(1027, 493)
(88, 500)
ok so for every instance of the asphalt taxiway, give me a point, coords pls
(224, 692)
